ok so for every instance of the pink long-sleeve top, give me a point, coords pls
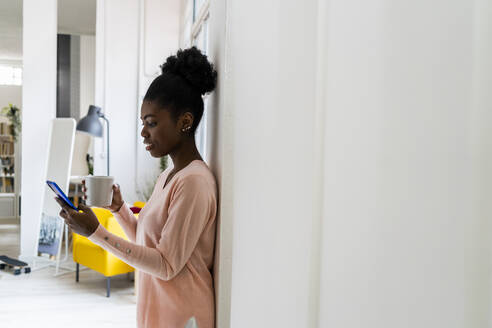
(172, 246)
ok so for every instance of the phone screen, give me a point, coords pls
(61, 194)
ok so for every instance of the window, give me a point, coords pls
(195, 32)
(198, 6)
(10, 75)
(188, 18)
(200, 41)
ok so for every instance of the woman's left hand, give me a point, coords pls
(84, 223)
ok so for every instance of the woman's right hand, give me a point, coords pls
(117, 201)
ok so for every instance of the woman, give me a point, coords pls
(172, 242)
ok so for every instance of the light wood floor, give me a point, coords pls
(39, 299)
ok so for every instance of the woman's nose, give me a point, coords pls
(143, 133)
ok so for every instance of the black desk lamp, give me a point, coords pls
(90, 124)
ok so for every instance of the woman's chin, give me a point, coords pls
(155, 153)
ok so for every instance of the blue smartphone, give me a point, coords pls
(60, 194)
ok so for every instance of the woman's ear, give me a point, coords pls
(185, 121)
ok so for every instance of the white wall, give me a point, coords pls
(220, 130)
(117, 30)
(158, 38)
(400, 204)
(39, 108)
(478, 235)
(133, 37)
(87, 72)
(264, 264)
(87, 77)
(270, 76)
(373, 224)
(10, 94)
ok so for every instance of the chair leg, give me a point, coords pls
(77, 273)
(108, 286)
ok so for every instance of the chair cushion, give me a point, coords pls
(87, 253)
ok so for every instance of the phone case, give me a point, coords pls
(56, 189)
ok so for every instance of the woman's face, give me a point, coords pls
(161, 133)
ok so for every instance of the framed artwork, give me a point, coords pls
(50, 234)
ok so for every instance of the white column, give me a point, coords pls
(271, 98)
(220, 136)
(39, 108)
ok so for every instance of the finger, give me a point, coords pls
(63, 214)
(61, 203)
(68, 210)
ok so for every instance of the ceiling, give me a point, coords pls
(11, 29)
(74, 17)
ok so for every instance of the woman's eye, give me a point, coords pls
(150, 124)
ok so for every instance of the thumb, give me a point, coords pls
(84, 207)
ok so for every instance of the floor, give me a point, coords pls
(39, 299)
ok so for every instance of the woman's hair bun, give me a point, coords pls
(194, 67)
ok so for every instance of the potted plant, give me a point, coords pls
(13, 114)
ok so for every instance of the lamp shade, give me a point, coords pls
(90, 123)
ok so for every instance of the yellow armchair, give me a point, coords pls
(96, 258)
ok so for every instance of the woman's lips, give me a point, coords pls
(149, 147)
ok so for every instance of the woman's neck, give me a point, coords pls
(185, 154)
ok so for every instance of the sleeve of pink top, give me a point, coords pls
(127, 221)
(189, 210)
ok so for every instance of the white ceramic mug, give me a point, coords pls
(99, 190)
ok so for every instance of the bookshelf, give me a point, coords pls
(9, 166)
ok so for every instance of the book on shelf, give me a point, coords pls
(6, 158)
(6, 148)
(5, 128)
(6, 185)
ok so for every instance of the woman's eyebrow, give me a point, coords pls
(146, 116)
